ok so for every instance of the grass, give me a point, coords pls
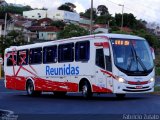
(156, 90)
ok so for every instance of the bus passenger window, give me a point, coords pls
(82, 51)
(11, 58)
(66, 52)
(100, 58)
(35, 56)
(22, 57)
(50, 54)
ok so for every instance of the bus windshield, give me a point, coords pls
(132, 57)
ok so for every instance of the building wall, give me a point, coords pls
(35, 14)
(47, 35)
(84, 21)
(101, 30)
(63, 15)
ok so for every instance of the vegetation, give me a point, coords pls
(87, 13)
(72, 31)
(14, 38)
(67, 7)
(59, 24)
(14, 9)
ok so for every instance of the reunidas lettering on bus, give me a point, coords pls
(65, 70)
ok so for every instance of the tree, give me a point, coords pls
(67, 7)
(140, 24)
(71, 5)
(59, 24)
(13, 39)
(88, 12)
(129, 20)
(72, 31)
(103, 19)
(102, 9)
(15, 9)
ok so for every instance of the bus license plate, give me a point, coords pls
(139, 87)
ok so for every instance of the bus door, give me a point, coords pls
(103, 69)
(108, 69)
(100, 66)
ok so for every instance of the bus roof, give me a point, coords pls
(123, 36)
(109, 36)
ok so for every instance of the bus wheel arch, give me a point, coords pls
(30, 88)
(85, 88)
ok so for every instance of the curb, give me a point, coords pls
(5, 112)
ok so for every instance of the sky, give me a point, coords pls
(148, 10)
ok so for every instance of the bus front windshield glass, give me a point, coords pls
(132, 56)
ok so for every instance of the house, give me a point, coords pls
(45, 32)
(43, 22)
(35, 14)
(97, 28)
(100, 28)
(19, 23)
(68, 17)
(84, 20)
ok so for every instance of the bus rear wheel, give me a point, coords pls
(86, 90)
(120, 96)
(30, 89)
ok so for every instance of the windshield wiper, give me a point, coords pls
(141, 63)
(138, 59)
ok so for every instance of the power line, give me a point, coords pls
(139, 14)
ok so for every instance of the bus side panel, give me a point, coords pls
(17, 83)
(10, 82)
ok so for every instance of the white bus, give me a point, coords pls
(102, 63)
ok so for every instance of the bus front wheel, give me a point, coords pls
(86, 90)
(30, 89)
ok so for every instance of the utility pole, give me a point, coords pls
(91, 17)
(122, 15)
(5, 25)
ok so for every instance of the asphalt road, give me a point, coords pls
(20, 103)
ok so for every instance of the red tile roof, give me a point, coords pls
(44, 28)
(48, 21)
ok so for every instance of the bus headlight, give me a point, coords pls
(152, 80)
(121, 80)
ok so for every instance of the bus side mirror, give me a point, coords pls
(106, 52)
(153, 53)
(106, 48)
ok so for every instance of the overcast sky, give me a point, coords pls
(148, 10)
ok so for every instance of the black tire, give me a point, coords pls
(120, 96)
(30, 89)
(86, 90)
(59, 93)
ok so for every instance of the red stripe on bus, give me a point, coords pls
(101, 89)
(108, 73)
